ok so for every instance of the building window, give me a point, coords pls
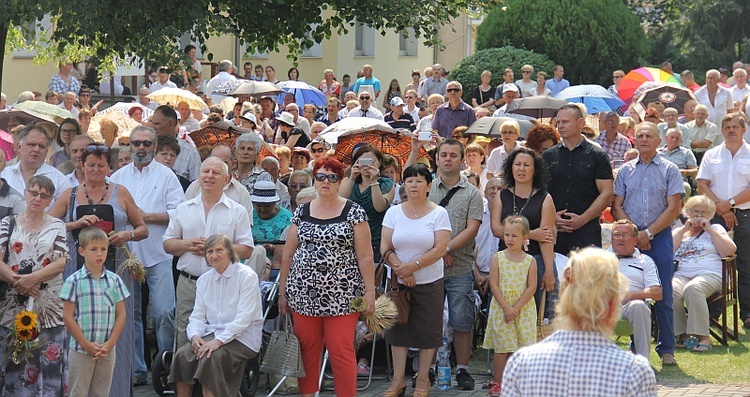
(315, 51)
(364, 40)
(407, 43)
(254, 54)
(31, 33)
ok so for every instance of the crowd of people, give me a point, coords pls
(500, 215)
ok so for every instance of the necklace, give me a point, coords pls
(515, 209)
(86, 192)
(28, 223)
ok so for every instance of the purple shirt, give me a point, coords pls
(446, 118)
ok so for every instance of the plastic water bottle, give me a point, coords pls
(444, 366)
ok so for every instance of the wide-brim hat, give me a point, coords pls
(264, 192)
(286, 118)
(249, 116)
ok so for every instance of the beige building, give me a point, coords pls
(392, 56)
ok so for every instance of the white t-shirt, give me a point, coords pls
(414, 237)
(497, 158)
(526, 88)
(699, 255)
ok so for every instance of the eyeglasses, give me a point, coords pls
(621, 235)
(68, 131)
(364, 98)
(453, 90)
(297, 185)
(138, 143)
(320, 177)
(526, 71)
(94, 148)
(84, 94)
(34, 193)
(617, 77)
(318, 150)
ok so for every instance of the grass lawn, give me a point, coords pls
(720, 365)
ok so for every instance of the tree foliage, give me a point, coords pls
(108, 30)
(590, 38)
(707, 34)
(468, 72)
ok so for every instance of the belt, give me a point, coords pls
(737, 210)
(188, 275)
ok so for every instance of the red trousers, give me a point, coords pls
(337, 334)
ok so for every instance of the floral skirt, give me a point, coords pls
(45, 372)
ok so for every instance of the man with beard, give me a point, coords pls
(157, 192)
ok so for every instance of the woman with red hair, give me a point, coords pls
(327, 263)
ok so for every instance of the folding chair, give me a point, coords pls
(723, 300)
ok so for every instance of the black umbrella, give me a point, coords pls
(670, 96)
(490, 126)
(537, 107)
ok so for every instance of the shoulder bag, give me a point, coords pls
(400, 297)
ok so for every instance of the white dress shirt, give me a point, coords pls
(156, 86)
(234, 190)
(722, 103)
(728, 175)
(739, 93)
(497, 158)
(12, 174)
(372, 113)
(191, 124)
(228, 305)
(155, 189)
(191, 221)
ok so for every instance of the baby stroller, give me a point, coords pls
(162, 363)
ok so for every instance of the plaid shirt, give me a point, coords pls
(59, 85)
(615, 150)
(95, 302)
(577, 363)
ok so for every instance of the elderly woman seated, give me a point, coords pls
(225, 326)
(699, 247)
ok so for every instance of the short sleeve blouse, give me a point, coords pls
(324, 276)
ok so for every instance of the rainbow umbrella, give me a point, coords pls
(636, 77)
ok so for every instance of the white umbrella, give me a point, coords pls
(173, 96)
(352, 125)
(124, 108)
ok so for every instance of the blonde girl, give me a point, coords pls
(512, 321)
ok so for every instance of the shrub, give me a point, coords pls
(590, 38)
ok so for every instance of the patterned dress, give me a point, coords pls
(324, 277)
(45, 372)
(509, 337)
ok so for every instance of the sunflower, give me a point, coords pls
(26, 320)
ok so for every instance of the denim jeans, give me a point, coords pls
(161, 293)
(663, 255)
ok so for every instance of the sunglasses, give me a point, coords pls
(364, 98)
(617, 77)
(319, 150)
(84, 94)
(298, 185)
(94, 148)
(138, 143)
(68, 131)
(526, 71)
(453, 90)
(320, 177)
(34, 193)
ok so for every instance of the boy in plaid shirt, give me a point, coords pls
(94, 314)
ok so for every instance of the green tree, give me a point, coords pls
(590, 38)
(115, 29)
(468, 72)
(707, 34)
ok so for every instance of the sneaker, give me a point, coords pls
(363, 369)
(668, 360)
(464, 379)
(494, 389)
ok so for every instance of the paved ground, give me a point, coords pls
(666, 389)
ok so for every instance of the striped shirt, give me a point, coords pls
(95, 302)
(577, 363)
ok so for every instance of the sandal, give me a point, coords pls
(701, 348)
(680, 344)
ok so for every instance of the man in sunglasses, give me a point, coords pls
(365, 108)
(31, 145)
(157, 192)
(454, 113)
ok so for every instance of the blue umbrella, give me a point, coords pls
(303, 93)
(596, 98)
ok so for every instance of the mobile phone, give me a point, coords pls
(365, 161)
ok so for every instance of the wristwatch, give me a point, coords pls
(649, 235)
(448, 249)
(732, 202)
